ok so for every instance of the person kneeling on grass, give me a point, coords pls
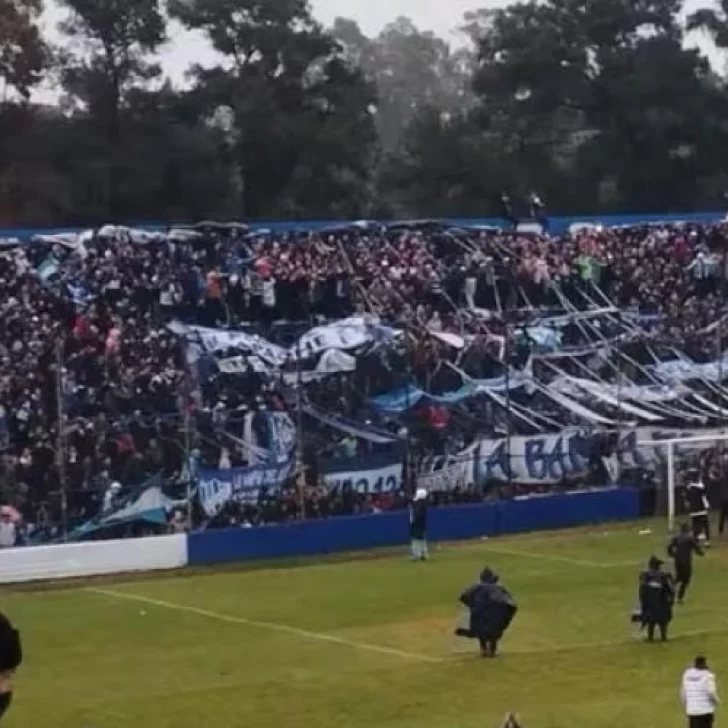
(492, 609)
(11, 655)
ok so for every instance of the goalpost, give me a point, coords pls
(673, 452)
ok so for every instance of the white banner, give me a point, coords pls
(447, 473)
(216, 340)
(581, 388)
(387, 479)
(241, 364)
(346, 334)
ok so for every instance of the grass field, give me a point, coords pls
(368, 642)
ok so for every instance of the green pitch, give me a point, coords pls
(368, 643)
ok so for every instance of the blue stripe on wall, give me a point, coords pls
(453, 523)
(557, 224)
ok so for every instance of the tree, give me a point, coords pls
(445, 167)
(302, 115)
(22, 51)
(110, 54)
(604, 92)
(412, 71)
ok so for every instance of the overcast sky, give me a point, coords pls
(441, 16)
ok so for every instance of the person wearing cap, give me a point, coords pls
(418, 526)
(657, 595)
(11, 655)
(699, 695)
(492, 609)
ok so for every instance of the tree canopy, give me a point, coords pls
(596, 105)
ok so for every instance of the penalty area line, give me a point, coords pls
(270, 626)
(561, 559)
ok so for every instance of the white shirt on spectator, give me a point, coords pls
(269, 292)
(698, 692)
(7, 534)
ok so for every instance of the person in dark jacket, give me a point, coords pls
(492, 610)
(657, 595)
(11, 655)
(681, 549)
(418, 526)
(698, 507)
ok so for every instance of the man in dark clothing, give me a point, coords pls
(698, 507)
(657, 595)
(11, 655)
(492, 609)
(681, 549)
(723, 506)
(418, 526)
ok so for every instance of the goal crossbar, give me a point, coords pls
(681, 440)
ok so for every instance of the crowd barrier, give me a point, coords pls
(453, 523)
(557, 225)
(94, 558)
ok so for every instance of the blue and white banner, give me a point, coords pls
(359, 475)
(242, 485)
(548, 459)
(281, 436)
(683, 370)
(368, 433)
(402, 400)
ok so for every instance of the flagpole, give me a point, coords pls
(187, 425)
(300, 464)
(61, 441)
(507, 357)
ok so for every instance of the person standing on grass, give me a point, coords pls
(699, 695)
(657, 595)
(11, 655)
(418, 526)
(681, 549)
(698, 507)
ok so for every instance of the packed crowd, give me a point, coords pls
(84, 341)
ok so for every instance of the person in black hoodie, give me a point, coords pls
(681, 549)
(657, 595)
(492, 609)
(418, 526)
(11, 655)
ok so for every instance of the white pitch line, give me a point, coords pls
(562, 559)
(581, 646)
(271, 626)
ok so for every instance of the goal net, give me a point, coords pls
(680, 460)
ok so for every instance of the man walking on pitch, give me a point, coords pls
(418, 526)
(681, 549)
(699, 695)
(698, 507)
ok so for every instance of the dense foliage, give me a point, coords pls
(597, 105)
